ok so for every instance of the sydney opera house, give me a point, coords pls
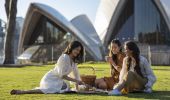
(46, 33)
(147, 22)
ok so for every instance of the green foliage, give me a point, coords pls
(30, 76)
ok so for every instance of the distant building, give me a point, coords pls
(18, 27)
(2, 33)
(46, 33)
(2, 36)
(145, 21)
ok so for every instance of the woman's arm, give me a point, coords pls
(118, 68)
(72, 80)
(150, 75)
(76, 75)
(123, 70)
(64, 69)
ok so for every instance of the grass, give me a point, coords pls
(30, 76)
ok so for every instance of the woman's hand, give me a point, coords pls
(80, 82)
(108, 59)
(73, 80)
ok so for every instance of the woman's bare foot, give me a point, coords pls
(15, 92)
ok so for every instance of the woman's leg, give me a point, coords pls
(103, 85)
(132, 81)
(34, 91)
(97, 81)
(100, 83)
(130, 77)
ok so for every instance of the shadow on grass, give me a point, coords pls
(163, 95)
(19, 65)
(162, 69)
(86, 94)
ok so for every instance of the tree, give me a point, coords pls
(11, 11)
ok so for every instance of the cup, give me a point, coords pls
(107, 58)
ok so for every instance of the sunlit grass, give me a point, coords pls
(30, 76)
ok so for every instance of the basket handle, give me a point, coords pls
(90, 67)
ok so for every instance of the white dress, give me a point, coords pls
(52, 81)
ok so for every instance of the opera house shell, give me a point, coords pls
(145, 21)
(46, 33)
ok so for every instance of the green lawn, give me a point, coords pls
(29, 77)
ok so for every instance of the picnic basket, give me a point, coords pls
(88, 79)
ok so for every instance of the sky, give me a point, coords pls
(68, 8)
(166, 4)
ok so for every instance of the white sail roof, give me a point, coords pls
(36, 10)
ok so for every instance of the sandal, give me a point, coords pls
(15, 92)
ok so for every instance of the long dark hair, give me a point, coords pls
(136, 55)
(71, 47)
(114, 56)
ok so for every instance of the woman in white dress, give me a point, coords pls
(56, 80)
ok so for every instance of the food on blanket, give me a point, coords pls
(86, 88)
(82, 87)
(92, 89)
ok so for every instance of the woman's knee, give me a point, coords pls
(97, 81)
(130, 74)
(102, 85)
(129, 78)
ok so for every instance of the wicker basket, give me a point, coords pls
(88, 79)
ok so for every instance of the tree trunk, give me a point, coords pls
(10, 34)
(7, 4)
